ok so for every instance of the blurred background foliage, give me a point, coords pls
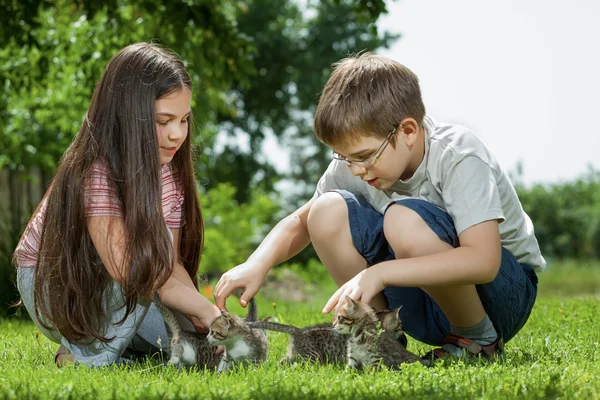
(258, 67)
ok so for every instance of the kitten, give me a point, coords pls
(369, 344)
(187, 348)
(242, 342)
(320, 343)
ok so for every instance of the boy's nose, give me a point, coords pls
(357, 170)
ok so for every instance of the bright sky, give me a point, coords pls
(523, 74)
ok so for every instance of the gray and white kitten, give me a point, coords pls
(186, 349)
(243, 343)
(373, 341)
(320, 343)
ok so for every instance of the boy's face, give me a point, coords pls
(386, 162)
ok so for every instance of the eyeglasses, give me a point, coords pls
(370, 161)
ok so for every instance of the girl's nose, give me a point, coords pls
(178, 132)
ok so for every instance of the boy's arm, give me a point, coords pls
(476, 261)
(286, 239)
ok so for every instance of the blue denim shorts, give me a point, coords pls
(508, 299)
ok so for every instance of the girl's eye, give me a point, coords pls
(163, 123)
(185, 120)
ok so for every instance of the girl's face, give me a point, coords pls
(172, 114)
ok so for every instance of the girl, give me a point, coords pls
(120, 220)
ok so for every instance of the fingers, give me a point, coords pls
(333, 300)
(248, 294)
(222, 291)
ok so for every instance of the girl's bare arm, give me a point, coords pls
(178, 292)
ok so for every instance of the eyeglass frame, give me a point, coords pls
(366, 164)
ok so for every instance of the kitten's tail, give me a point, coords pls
(274, 326)
(173, 327)
(252, 311)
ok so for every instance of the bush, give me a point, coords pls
(232, 230)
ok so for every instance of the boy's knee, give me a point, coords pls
(406, 231)
(326, 214)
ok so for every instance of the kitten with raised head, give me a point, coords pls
(242, 342)
(373, 341)
(320, 343)
(186, 349)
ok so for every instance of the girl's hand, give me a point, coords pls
(247, 276)
(363, 287)
(199, 325)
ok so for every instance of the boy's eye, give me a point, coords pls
(363, 158)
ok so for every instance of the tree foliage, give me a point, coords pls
(257, 68)
(566, 216)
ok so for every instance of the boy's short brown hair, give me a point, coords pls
(366, 95)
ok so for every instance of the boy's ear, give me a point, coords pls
(409, 129)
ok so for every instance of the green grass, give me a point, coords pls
(556, 355)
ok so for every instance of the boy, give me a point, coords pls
(409, 213)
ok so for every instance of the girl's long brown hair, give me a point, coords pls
(119, 129)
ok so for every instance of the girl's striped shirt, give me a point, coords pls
(101, 200)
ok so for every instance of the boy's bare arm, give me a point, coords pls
(286, 239)
(476, 261)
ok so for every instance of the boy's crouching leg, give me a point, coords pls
(411, 236)
(330, 234)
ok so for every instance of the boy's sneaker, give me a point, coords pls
(459, 347)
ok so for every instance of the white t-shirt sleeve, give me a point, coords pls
(470, 194)
(333, 178)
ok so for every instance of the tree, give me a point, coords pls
(294, 49)
(257, 67)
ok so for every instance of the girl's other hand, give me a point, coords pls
(247, 276)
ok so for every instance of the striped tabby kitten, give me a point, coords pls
(187, 348)
(372, 341)
(242, 343)
(320, 343)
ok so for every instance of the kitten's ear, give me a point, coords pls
(390, 319)
(397, 312)
(351, 303)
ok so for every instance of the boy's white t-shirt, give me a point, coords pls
(460, 175)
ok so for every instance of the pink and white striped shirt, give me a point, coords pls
(101, 200)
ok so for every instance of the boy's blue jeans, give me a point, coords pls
(508, 299)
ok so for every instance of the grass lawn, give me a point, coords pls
(556, 355)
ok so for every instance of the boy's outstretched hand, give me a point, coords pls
(248, 277)
(363, 287)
